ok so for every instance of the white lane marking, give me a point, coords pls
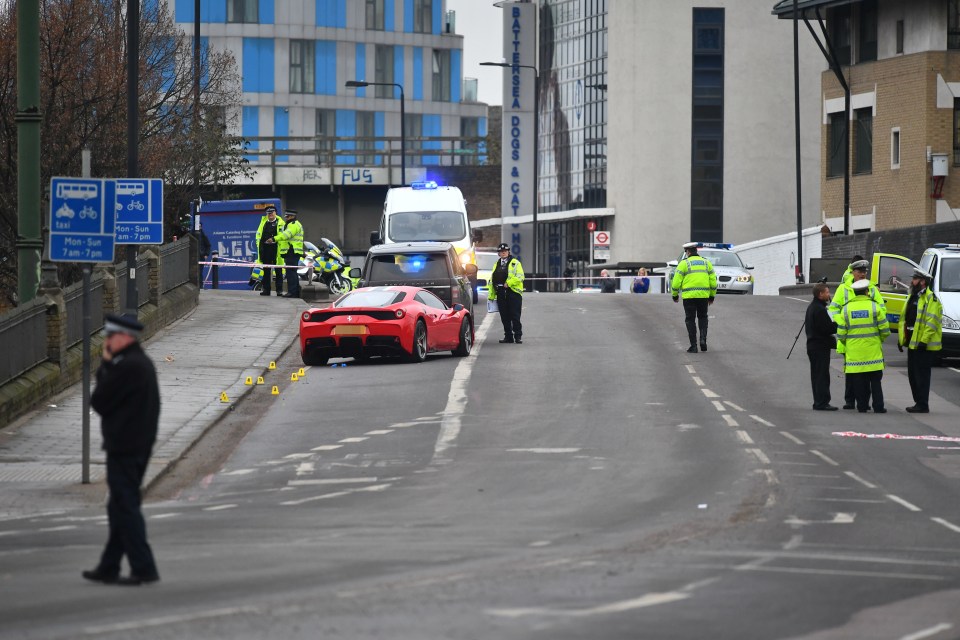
(929, 632)
(169, 620)
(812, 475)
(903, 503)
(654, 404)
(718, 406)
(457, 398)
(744, 437)
(825, 458)
(792, 438)
(378, 432)
(160, 516)
(687, 427)
(858, 500)
(709, 394)
(729, 420)
(733, 406)
(416, 423)
(238, 472)
(948, 525)
(797, 299)
(337, 494)
(690, 369)
(65, 527)
(304, 468)
(697, 380)
(761, 456)
(762, 421)
(296, 456)
(327, 481)
(793, 543)
(838, 518)
(540, 543)
(349, 440)
(649, 600)
(546, 450)
(327, 447)
(859, 574)
(220, 507)
(770, 474)
(954, 369)
(868, 485)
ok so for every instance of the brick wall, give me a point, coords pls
(909, 242)
(480, 186)
(906, 97)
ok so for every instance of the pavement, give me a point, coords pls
(229, 337)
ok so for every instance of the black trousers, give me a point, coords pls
(510, 304)
(866, 385)
(291, 259)
(128, 531)
(268, 255)
(820, 376)
(919, 364)
(695, 309)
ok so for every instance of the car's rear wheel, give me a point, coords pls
(419, 353)
(465, 345)
(312, 359)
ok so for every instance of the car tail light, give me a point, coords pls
(400, 313)
(306, 316)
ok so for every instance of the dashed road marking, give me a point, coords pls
(729, 420)
(868, 485)
(327, 447)
(296, 456)
(329, 481)
(761, 456)
(698, 381)
(546, 450)
(350, 440)
(709, 394)
(336, 494)
(762, 421)
(928, 633)
(238, 472)
(161, 516)
(718, 406)
(792, 438)
(825, 458)
(690, 369)
(733, 406)
(220, 507)
(903, 503)
(948, 525)
(744, 437)
(378, 432)
(65, 527)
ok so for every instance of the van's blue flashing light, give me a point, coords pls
(949, 247)
(715, 245)
(429, 184)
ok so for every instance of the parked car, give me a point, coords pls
(434, 266)
(942, 261)
(385, 321)
(733, 276)
(485, 263)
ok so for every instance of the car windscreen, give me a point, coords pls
(374, 298)
(420, 266)
(416, 226)
(485, 261)
(722, 258)
(950, 274)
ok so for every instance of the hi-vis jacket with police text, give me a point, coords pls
(862, 327)
(514, 280)
(290, 236)
(843, 295)
(694, 278)
(928, 328)
(258, 271)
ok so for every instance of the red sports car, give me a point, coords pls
(385, 321)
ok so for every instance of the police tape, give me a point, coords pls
(893, 436)
(231, 263)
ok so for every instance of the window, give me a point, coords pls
(383, 71)
(366, 129)
(835, 152)
(325, 132)
(953, 24)
(470, 128)
(244, 11)
(899, 36)
(706, 171)
(838, 22)
(867, 41)
(374, 13)
(441, 75)
(894, 275)
(302, 61)
(956, 132)
(863, 159)
(895, 148)
(422, 16)
(413, 130)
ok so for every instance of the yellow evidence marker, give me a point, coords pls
(248, 381)
(223, 397)
(301, 373)
(273, 365)
(294, 377)
(259, 379)
(275, 391)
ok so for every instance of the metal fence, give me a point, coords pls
(73, 297)
(174, 264)
(23, 339)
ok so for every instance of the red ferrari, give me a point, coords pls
(385, 321)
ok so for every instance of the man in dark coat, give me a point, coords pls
(127, 397)
(820, 342)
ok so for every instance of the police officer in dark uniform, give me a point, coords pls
(506, 287)
(127, 397)
(820, 343)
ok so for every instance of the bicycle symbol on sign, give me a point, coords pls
(135, 204)
(88, 212)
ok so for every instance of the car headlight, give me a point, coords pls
(744, 278)
(950, 323)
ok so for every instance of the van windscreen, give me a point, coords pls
(438, 226)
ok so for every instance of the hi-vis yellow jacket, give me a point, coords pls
(862, 327)
(514, 278)
(694, 278)
(928, 328)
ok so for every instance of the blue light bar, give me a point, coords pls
(430, 184)
(715, 245)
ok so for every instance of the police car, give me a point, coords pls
(942, 261)
(733, 276)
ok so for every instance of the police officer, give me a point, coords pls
(270, 225)
(844, 293)
(862, 327)
(290, 240)
(696, 281)
(921, 331)
(506, 287)
(820, 342)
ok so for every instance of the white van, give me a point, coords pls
(942, 261)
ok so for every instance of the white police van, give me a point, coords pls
(942, 261)
(426, 211)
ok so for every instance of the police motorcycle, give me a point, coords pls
(327, 265)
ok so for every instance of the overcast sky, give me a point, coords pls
(480, 24)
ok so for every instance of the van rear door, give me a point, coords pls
(892, 274)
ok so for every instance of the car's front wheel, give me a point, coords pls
(465, 346)
(419, 353)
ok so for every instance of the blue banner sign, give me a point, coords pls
(139, 208)
(82, 220)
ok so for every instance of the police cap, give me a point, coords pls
(270, 209)
(920, 273)
(690, 245)
(861, 286)
(503, 246)
(289, 213)
(860, 265)
(126, 323)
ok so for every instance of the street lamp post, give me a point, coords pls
(403, 124)
(536, 155)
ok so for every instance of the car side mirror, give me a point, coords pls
(458, 307)
(375, 238)
(476, 235)
(471, 269)
(672, 263)
(748, 266)
(354, 272)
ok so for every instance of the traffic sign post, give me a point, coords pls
(139, 210)
(601, 245)
(81, 220)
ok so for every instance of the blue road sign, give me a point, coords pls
(81, 220)
(139, 211)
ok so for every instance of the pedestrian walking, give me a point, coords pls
(127, 397)
(607, 284)
(290, 240)
(694, 281)
(641, 284)
(270, 226)
(506, 287)
(843, 295)
(862, 327)
(820, 343)
(921, 332)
